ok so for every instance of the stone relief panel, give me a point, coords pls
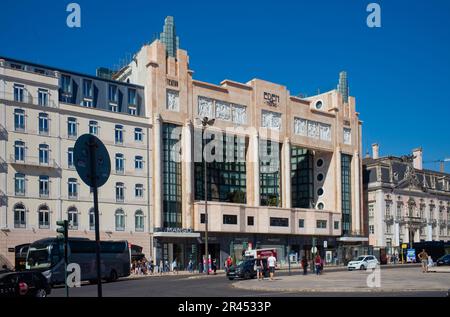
(347, 136)
(271, 120)
(312, 129)
(239, 114)
(205, 107)
(223, 110)
(173, 100)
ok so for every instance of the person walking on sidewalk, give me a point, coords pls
(305, 265)
(271, 261)
(423, 256)
(259, 268)
(317, 263)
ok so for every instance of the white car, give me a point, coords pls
(363, 262)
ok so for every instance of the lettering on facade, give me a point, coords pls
(174, 230)
(172, 82)
(271, 99)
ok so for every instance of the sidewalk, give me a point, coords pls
(406, 279)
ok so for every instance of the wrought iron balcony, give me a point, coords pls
(33, 161)
(389, 218)
(3, 133)
(28, 98)
(3, 199)
(442, 223)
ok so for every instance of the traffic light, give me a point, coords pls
(63, 227)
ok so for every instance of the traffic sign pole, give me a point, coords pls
(93, 174)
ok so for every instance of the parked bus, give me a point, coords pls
(47, 256)
(20, 256)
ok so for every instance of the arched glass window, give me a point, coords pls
(19, 216)
(44, 217)
(139, 220)
(91, 219)
(72, 217)
(120, 220)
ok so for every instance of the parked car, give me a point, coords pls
(25, 283)
(246, 270)
(443, 260)
(363, 262)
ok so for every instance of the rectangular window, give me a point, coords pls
(43, 123)
(227, 175)
(73, 188)
(18, 93)
(301, 223)
(336, 225)
(346, 193)
(19, 151)
(119, 192)
(302, 177)
(132, 96)
(279, 222)
(250, 221)
(87, 88)
(269, 173)
(43, 97)
(72, 127)
(139, 191)
(202, 218)
(138, 163)
(171, 181)
(43, 154)
(43, 186)
(229, 219)
(112, 93)
(93, 127)
(371, 210)
(66, 86)
(138, 135)
(19, 120)
(70, 162)
(119, 163)
(119, 134)
(371, 229)
(321, 224)
(19, 182)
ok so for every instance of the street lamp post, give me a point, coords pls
(206, 122)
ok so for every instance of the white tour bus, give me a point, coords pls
(47, 256)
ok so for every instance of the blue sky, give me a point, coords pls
(399, 73)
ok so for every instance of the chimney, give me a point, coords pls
(417, 163)
(375, 151)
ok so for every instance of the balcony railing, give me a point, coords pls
(29, 69)
(3, 133)
(33, 161)
(442, 223)
(27, 98)
(389, 218)
(3, 199)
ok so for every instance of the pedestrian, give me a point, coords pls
(271, 262)
(259, 266)
(175, 266)
(214, 266)
(317, 263)
(430, 261)
(229, 263)
(423, 256)
(305, 265)
(161, 267)
(190, 266)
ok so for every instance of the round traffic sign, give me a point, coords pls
(88, 148)
(314, 250)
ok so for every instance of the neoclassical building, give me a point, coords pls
(404, 202)
(43, 110)
(309, 188)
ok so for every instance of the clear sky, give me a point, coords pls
(399, 73)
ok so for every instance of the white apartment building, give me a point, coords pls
(43, 111)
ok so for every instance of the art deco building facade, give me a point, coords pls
(403, 202)
(310, 188)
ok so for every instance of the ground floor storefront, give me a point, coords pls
(290, 249)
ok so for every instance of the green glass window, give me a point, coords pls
(269, 173)
(171, 177)
(302, 177)
(346, 193)
(226, 180)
